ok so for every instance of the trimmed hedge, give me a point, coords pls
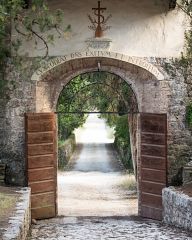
(65, 151)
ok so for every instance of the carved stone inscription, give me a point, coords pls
(77, 55)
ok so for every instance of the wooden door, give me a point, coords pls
(41, 151)
(152, 164)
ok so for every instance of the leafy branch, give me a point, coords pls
(36, 23)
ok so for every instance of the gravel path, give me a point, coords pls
(94, 228)
(91, 186)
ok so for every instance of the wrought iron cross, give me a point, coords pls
(99, 25)
(97, 12)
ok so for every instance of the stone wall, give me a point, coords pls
(133, 26)
(20, 221)
(177, 208)
(187, 173)
(155, 96)
(179, 136)
(19, 98)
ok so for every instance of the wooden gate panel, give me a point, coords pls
(153, 175)
(151, 187)
(152, 164)
(42, 163)
(47, 186)
(40, 174)
(149, 138)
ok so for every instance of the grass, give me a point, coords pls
(7, 203)
(128, 182)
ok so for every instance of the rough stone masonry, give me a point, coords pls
(144, 30)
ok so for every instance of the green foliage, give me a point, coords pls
(71, 100)
(189, 115)
(122, 141)
(31, 24)
(65, 151)
(122, 131)
(98, 91)
(68, 122)
(183, 64)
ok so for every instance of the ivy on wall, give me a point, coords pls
(183, 66)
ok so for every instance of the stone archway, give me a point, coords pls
(139, 74)
(146, 82)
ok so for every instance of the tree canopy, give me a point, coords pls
(30, 22)
(101, 92)
(97, 91)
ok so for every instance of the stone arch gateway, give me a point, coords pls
(56, 73)
(148, 128)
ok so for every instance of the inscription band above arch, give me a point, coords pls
(57, 61)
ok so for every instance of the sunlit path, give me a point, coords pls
(91, 187)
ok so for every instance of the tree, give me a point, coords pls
(103, 92)
(31, 22)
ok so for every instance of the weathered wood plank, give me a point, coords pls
(153, 162)
(159, 151)
(40, 126)
(43, 213)
(42, 200)
(42, 137)
(151, 138)
(150, 212)
(158, 176)
(40, 149)
(152, 123)
(35, 175)
(151, 200)
(40, 116)
(42, 187)
(151, 187)
(41, 161)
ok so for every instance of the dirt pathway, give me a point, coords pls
(90, 187)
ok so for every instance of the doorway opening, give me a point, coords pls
(97, 174)
(147, 130)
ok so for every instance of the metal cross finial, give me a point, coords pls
(98, 12)
(99, 24)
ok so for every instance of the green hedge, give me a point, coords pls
(65, 151)
(122, 141)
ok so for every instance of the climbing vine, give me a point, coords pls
(183, 65)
